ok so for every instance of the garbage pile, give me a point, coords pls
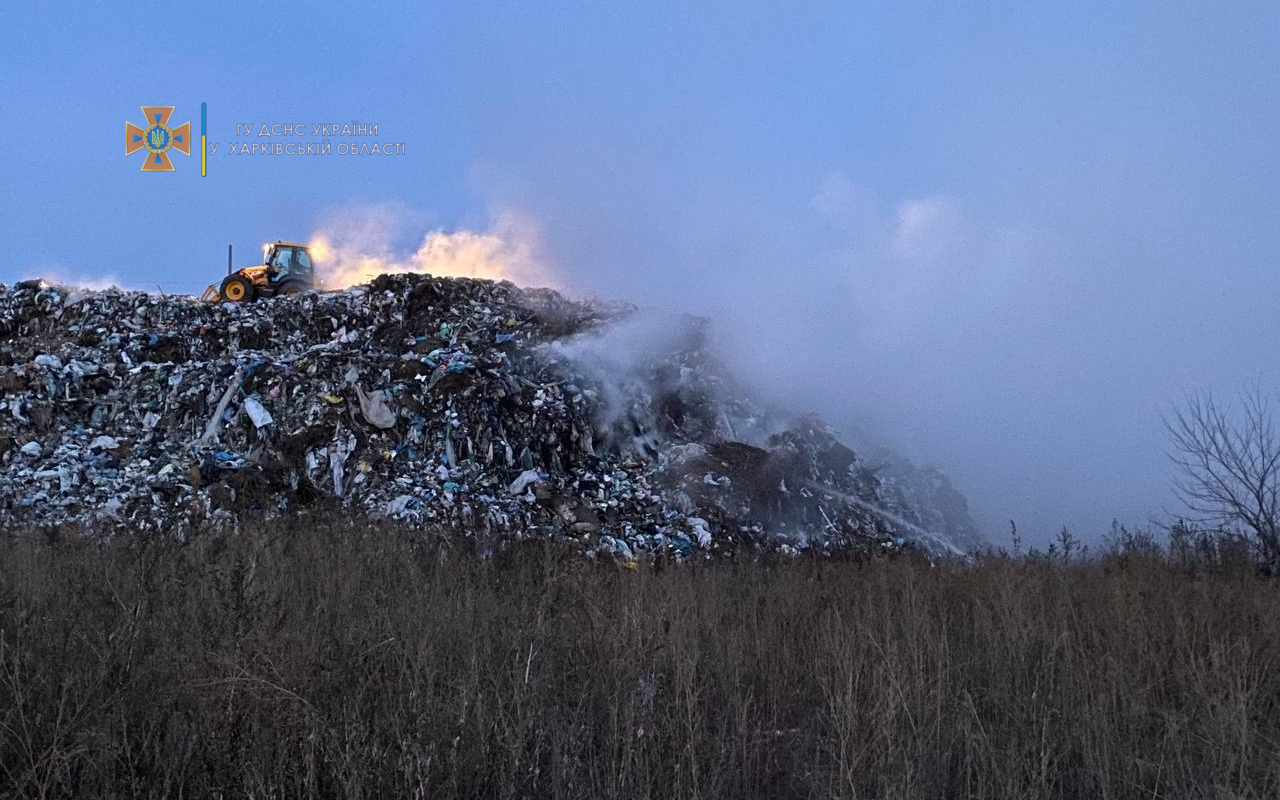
(460, 405)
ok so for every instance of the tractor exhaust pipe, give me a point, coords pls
(228, 259)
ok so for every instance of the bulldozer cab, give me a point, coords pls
(286, 270)
(289, 262)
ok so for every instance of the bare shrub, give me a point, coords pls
(1227, 466)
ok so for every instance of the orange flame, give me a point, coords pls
(509, 250)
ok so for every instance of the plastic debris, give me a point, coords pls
(374, 408)
(257, 412)
(698, 527)
(525, 478)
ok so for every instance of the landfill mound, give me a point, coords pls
(468, 406)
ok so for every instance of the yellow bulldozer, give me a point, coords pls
(286, 270)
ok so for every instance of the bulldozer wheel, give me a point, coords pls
(293, 288)
(237, 289)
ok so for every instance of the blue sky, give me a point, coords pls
(1004, 237)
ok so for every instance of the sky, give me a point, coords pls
(1003, 238)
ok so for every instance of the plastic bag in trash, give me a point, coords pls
(374, 407)
(257, 412)
(522, 482)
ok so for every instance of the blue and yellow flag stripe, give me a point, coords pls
(204, 148)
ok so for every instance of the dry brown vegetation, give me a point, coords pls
(325, 661)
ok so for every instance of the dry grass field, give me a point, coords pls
(321, 660)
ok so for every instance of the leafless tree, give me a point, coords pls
(1227, 466)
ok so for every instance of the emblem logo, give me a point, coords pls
(157, 139)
